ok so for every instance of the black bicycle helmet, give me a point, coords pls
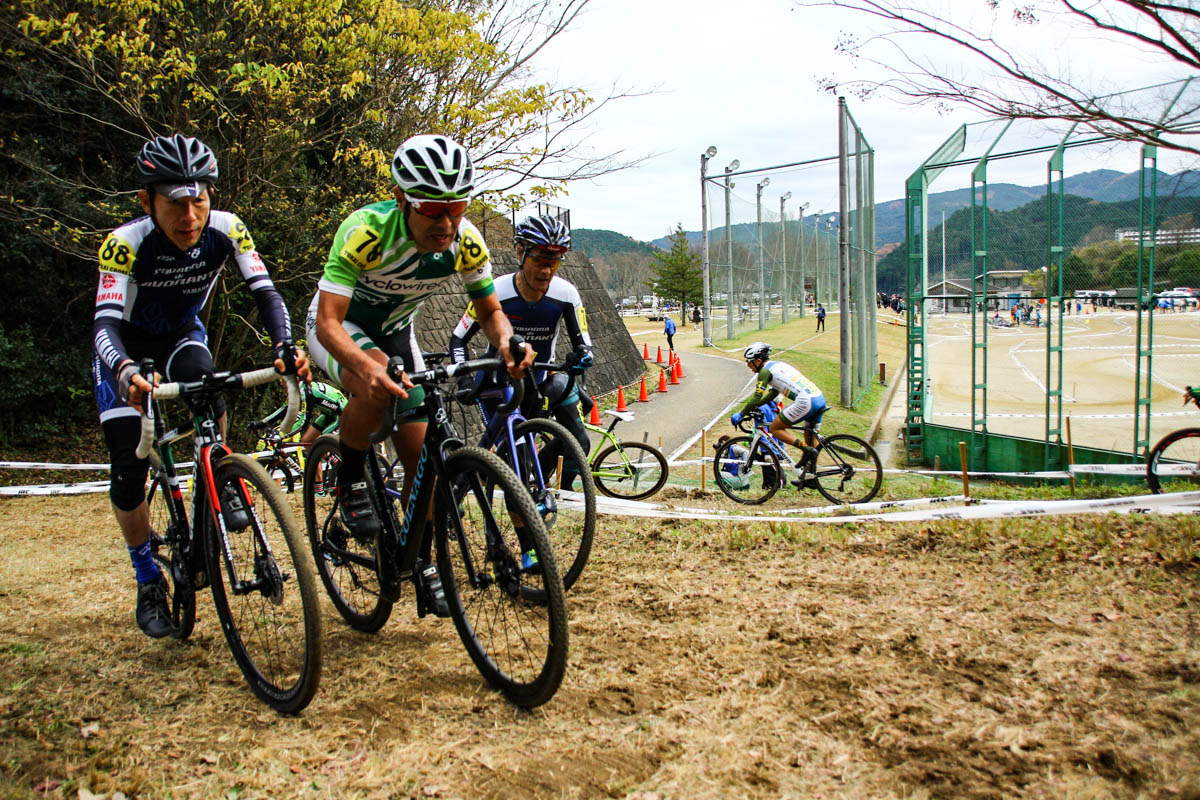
(544, 232)
(433, 167)
(757, 350)
(176, 159)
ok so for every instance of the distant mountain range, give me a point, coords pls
(1104, 185)
(625, 264)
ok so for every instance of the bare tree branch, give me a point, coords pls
(1019, 86)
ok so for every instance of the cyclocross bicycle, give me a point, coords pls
(242, 541)
(532, 447)
(748, 468)
(1176, 458)
(511, 618)
(630, 470)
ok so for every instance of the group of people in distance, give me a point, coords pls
(386, 260)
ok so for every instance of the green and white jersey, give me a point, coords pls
(777, 379)
(373, 263)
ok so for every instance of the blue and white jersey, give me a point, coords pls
(536, 322)
(150, 289)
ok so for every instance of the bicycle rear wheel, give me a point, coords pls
(346, 565)
(848, 469)
(630, 470)
(518, 644)
(570, 527)
(757, 475)
(181, 597)
(1174, 463)
(264, 591)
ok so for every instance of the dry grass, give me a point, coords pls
(1017, 658)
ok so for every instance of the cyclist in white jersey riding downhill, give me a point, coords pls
(775, 378)
(387, 258)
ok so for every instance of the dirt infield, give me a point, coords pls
(1060, 659)
(1099, 359)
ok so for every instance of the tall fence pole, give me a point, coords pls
(844, 256)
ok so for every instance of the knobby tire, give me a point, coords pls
(272, 622)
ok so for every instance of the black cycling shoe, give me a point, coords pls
(431, 595)
(153, 616)
(233, 509)
(358, 512)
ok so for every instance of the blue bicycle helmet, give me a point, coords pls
(544, 233)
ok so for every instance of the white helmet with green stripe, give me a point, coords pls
(433, 167)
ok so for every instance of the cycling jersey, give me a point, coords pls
(321, 407)
(536, 322)
(374, 263)
(777, 378)
(150, 290)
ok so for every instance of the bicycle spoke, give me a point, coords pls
(264, 593)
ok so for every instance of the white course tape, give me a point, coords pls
(981, 475)
(46, 465)
(1142, 504)
(91, 487)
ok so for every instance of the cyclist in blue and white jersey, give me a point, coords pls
(535, 299)
(156, 274)
(775, 379)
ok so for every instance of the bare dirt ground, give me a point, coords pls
(1099, 361)
(1010, 659)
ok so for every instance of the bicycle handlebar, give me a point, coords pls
(442, 372)
(218, 380)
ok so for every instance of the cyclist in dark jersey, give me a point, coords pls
(387, 259)
(156, 274)
(535, 300)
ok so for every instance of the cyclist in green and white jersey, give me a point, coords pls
(775, 379)
(319, 413)
(387, 259)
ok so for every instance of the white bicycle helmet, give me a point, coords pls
(757, 350)
(433, 167)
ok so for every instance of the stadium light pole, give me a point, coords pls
(704, 158)
(783, 283)
(803, 208)
(762, 267)
(729, 248)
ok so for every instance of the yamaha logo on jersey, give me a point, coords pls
(108, 281)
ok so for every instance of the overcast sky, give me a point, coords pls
(741, 75)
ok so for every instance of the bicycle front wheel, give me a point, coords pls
(264, 591)
(848, 469)
(746, 478)
(346, 564)
(518, 644)
(630, 470)
(570, 525)
(164, 535)
(1174, 463)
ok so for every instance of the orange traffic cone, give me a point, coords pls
(658, 358)
(674, 370)
(678, 366)
(662, 381)
(645, 351)
(621, 399)
(595, 418)
(643, 396)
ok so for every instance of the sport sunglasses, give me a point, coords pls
(436, 209)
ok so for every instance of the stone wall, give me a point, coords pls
(618, 360)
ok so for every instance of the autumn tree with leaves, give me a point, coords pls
(303, 102)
